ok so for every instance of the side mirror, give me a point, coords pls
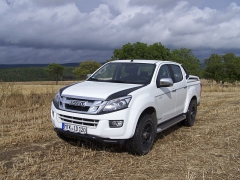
(165, 82)
(88, 75)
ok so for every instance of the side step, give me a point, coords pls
(171, 122)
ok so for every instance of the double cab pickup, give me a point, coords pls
(127, 102)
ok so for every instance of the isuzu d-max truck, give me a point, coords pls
(127, 102)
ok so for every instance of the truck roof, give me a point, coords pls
(143, 61)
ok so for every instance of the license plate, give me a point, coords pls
(74, 128)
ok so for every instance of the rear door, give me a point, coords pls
(180, 86)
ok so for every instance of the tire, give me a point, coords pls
(191, 114)
(143, 139)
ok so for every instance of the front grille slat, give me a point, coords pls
(80, 121)
(76, 108)
(79, 104)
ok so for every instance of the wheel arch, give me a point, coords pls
(193, 98)
(149, 110)
(188, 101)
(135, 145)
(191, 113)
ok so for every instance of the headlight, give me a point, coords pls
(117, 104)
(56, 99)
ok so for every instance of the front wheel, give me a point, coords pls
(191, 114)
(143, 139)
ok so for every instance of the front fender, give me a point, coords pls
(138, 105)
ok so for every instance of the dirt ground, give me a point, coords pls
(30, 149)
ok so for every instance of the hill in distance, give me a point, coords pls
(35, 65)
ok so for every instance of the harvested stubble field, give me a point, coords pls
(30, 149)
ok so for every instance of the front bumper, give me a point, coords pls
(101, 131)
(88, 137)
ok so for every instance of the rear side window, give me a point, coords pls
(177, 73)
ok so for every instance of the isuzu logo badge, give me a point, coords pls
(78, 103)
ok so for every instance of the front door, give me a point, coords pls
(165, 97)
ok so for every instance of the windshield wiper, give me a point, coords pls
(101, 80)
(92, 79)
(118, 81)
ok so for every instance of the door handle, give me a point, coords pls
(174, 90)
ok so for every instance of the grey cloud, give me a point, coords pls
(54, 31)
(215, 17)
(61, 31)
(139, 20)
(156, 3)
(17, 55)
(87, 6)
(203, 54)
(53, 3)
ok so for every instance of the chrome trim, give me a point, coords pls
(91, 123)
(65, 104)
(81, 97)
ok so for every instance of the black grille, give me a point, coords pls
(76, 108)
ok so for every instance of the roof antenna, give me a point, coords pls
(131, 60)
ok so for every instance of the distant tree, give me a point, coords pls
(225, 68)
(231, 67)
(187, 59)
(55, 71)
(214, 69)
(157, 51)
(237, 68)
(87, 67)
(126, 52)
(140, 50)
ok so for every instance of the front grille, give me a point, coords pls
(79, 104)
(76, 108)
(80, 121)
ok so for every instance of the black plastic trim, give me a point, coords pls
(60, 93)
(166, 124)
(62, 89)
(88, 137)
(123, 93)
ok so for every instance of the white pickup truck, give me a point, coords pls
(127, 102)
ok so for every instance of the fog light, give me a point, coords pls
(115, 123)
(52, 113)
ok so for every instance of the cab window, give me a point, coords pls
(163, 72)
(177, 73)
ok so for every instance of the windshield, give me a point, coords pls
(133, 73)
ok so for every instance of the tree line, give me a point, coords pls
(222, 68)
(22, 74)
(219, 68)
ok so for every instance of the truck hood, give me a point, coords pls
(98, 90)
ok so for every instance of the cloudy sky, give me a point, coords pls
(64, 31)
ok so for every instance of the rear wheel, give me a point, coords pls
(143, 139)
(191, 114)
